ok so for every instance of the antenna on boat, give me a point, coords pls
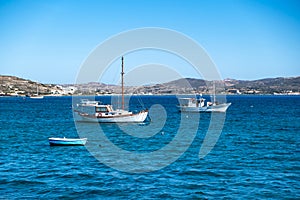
(122, 76)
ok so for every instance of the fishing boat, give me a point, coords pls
(102, 113)
(67, 141)
(198, 105)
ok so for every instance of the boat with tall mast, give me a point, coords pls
(37, 96)
(104, 113)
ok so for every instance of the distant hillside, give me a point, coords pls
(268, 85)
(11, 85)
(263, 86)
(186, 82)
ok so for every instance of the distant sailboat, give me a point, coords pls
(37, 96)
(106, 114)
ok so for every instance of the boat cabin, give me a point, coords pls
(192, 102)
(107, 111)
(103, 109)
(86, 102)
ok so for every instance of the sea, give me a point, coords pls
(252, 154)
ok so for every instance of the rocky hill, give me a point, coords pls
(14, 86)
(11, 85)
(280, 85)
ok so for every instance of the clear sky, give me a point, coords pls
(48, 40)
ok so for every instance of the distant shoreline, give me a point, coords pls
(3, 96)
(15, 86)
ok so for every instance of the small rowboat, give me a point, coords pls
(67, 141)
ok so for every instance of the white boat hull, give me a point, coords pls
(36, 97)
(213, 108)
(139, 117)
(67, 141)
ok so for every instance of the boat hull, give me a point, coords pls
(36, 97)
(214, 108)
(130, 118)
(67, 142)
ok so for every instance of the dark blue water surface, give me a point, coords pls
(257, 154)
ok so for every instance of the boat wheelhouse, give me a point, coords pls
(87, 102)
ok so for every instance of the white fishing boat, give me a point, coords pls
(106, 114)
(198, 105)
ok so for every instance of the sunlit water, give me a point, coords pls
(256, 156)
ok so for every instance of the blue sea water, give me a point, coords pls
(256, 156)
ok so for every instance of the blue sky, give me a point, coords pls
(47, 41)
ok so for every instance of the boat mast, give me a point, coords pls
(122, 76)
(214, 92)
(37, 89)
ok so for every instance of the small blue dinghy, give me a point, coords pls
(67, 141)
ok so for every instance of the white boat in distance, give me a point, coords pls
(198, 105)
(106, 114)
(37, 96)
